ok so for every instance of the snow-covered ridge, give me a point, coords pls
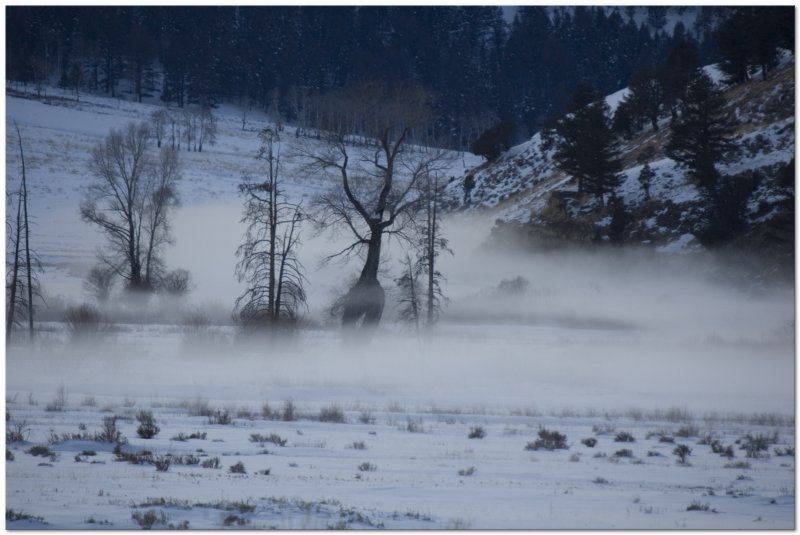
(517, 187)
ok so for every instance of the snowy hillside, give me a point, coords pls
(58, 134)
(520, 185)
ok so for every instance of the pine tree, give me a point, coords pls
(676, 72)
(702, 135)
(586, 147)
(701, 138)
(646, 176)
(647, 94)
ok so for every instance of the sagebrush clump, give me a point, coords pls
(147, 425)
(548, 440)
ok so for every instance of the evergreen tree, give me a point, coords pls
(750, 38)
(679, 67)
(626, 121)
(586, 147)
(646, 176)
(702, 135)
(700, 138)
(647, 94)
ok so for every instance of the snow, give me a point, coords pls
(627, 341)
(681, 245)
(613, 100)
(715, 73)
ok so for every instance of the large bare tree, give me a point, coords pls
(130, 202)
(368, 151)
(268, 262)
(23, 284)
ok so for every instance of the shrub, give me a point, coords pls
(13, 516)
(687, 431)
(682, 451)
(513, 287)
(332, 414)
(623, 453)
(476, 432)
(182, 437)
(268, 414)
(176, 282)
(467, 471)
(9, 455)
(109, 432)
(367, 467)
(366, 418)
(358, 445)
(162, 463)
(754, 445)
(698, 506)
(548, 440)
(605, 429)
(18, 432)
(237, 468)
(234, 520)
(600, 481)
(59, 402)
(414, 426)
(85, 321)
(666, 439)
(272, 437)
(213, 462)
(288, 412)
(147, 424)
(738, 465)
(718, 448)
(787, 451)
(222, 417)
(40, 451)
(149, 518)
(140, 457)
(624, 436)
(589, 442)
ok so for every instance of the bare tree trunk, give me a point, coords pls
(12, 302)
(431, 253)
(366, 298)
(273, 230)
(24, 200)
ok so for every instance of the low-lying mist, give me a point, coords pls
(606, 328)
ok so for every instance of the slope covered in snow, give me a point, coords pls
(523, 182)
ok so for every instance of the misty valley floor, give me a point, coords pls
(376, 440)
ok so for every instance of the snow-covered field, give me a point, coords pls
(653, 345)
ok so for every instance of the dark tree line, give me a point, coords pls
(701, 127)
(479, 67)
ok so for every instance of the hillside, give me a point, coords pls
(528, 193)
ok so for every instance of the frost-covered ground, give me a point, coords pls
(395, 450)
(649, 344)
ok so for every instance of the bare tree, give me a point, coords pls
(163, 196)
(410, 293)
(433, 243)
(130, 201)
(24, 283)
(268, 263)
(159, 120)
(13, 286)
(207, 128)
(377, 194)
(100, 282)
